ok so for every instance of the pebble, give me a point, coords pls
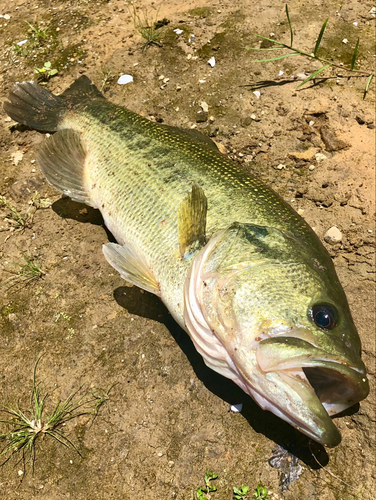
(320, 157)
(280, 166)
(333, 235)
(236, 408)
(307, 155)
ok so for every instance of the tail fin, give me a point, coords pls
(34, 106)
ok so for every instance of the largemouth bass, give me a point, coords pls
(236, 266)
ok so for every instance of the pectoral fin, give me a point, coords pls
(192, 219)
(131, 265)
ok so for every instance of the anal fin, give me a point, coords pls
(131, 265)
(192, 219)
(62, 160)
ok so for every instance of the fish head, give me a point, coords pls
(269, 312)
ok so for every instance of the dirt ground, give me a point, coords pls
(168, 419)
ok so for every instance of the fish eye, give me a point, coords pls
(324, 316)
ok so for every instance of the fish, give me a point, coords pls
(239, 270)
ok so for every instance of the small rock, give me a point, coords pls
(124, 79)
(204, 106)
(211, 62)
(331, 141)
(333, 235)
(245, 121)
(320, 157)
(201, 117)
(236, 408)
(257, 94)
(307, 155)
(280, 166)
(311, 167)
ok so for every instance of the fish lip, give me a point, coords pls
(325, 384)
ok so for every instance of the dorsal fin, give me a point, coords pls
(83, 88)
(193, 134)
(192, 219)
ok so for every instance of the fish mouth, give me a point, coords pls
(322, 384)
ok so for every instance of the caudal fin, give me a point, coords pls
(34, 106)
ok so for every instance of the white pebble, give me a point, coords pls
(212, 62)
(333, 235)
(257, 94)
(124, 79)
(236, 408)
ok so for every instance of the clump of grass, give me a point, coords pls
(38, 34)
(28, 270)
(108, 78)
(27, 427)
(150, 30)
(326, 63)
(17, 220)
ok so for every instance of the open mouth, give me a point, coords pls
(318, 385)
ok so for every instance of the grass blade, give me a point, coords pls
(279, 57)
(369, 80)
(288, 19)
(354, 55)
(320, 37)
(260, 48)
(315, 73)
(271, 40)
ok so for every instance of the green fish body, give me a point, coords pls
(236, 266)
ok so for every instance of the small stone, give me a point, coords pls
(201, 117)
(171, 463)
(280, 166)
(307, 155)
(333, 235)
(320, 157)
(204, 106)
(236, 408)
(311, 167)
(160, 454)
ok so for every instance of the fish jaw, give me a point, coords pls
(337, 383)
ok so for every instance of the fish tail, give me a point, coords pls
(34, 106)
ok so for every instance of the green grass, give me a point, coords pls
(326, 63)
(27, 271)
(26, 427)
(14, 217)
(150, 30)
(38, 35)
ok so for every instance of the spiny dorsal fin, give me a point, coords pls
(193, 135)
(62, 159)
(83, 88)
(34, 106)
(132, 266)
(192, 219)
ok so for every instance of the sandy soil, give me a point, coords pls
(168, 417)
